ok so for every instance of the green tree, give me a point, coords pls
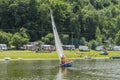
(24, 33)
(83, 41)
(20, 38)
(5, 38)
(117, 38)
(98, 36)
(18, 41)
(93, 44)
(48, 39)
(64, 39)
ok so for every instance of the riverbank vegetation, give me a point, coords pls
(75, 54)
(81, 22)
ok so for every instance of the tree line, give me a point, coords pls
(79, 22)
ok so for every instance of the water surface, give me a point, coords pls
(50, 70)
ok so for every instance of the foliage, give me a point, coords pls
(5, 38)
(93, 44)
(82, 41)
(48, 39)
(117, 38)
(19, 38)
(64, 38)
(80, 18)
(98, 36)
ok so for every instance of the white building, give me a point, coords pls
(48, 47)
(99, 48)
(68, 47)
(84, 48)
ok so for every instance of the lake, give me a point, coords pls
(49, 70)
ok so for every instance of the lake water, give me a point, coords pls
(49, 70)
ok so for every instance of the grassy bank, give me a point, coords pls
(15, 54)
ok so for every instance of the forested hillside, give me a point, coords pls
(78, 20)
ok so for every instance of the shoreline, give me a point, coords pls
(97, 58)
(15, 55)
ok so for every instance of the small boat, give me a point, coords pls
(58, 44)
(67, 64)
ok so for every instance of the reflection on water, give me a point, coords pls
(61, 74)
(49, 70)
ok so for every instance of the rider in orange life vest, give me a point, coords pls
(63, 59)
